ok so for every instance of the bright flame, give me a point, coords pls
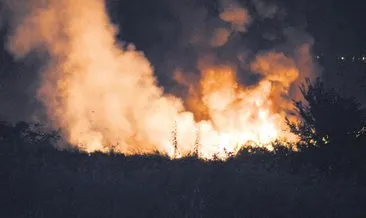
(102, 94)
(238, 116)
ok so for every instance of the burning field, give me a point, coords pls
(103, 94)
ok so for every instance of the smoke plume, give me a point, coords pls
(265, 10)
(234, 14)
(96, 90)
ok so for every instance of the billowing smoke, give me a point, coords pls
(97, 91)
(104, 94)
(220, 37)
(266, 10)
(236, 15)
(233, 14)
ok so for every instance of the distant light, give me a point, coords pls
(317, 57)
(342, 58)
(363, 58)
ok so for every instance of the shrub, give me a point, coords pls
(326, 116)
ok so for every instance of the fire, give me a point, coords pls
(238, 115)
(104, 95)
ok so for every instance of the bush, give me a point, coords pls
(327, 117)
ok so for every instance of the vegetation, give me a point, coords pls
(326, 178)
(328, 117)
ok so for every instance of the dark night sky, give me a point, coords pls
(338, 26)
(158, 26)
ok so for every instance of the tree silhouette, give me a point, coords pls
(327, 117)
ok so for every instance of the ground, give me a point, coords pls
(50, 183)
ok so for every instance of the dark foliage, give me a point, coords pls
(331, 131)
(327, 117)
(40, 181)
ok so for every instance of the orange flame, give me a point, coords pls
(238, 116)
(103, 95)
